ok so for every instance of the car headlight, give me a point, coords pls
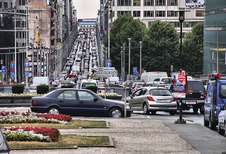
(128, 106)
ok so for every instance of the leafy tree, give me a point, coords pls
(160, 49)
(125, 27)
(193, 50)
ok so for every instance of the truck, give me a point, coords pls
(40, 80)
(148, 77)
(215, 100)
(190, 91)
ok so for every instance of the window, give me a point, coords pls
(123, 12)
(223, 90)
(148, 2)
(172, 14)
(124, 2)
(0, 4)
(5, 5)
(199, 13)
(176, 24)
(160, 14)
(86, 96)
(160, 2)
(67, 95)
(172, 2)
(136, 13)
(136, 2)
(160, 92)
(148, 13)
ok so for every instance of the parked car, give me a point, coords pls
(222, 121)
(78, 102)
(152, 99)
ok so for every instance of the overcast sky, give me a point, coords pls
(86, 8)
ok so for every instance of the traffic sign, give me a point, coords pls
(12, 62)
(12, 70)
(27, 69)
(26, 60)
(26, 64)
(108, 64)
(134, 69)
(108, 60)
(12, 65)
(3, 69)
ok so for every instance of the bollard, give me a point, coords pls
(180, 120)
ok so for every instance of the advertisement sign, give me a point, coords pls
(178, 82)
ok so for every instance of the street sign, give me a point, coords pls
(12, 70)
(27, 69)
(26, 60)
(3, 69)
(12, 65)
(134, 69)
(26, 64)
(108, 64)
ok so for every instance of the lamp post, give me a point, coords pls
(124, 63)
(181, 19)
(129, 39)
(140, 56)
(109, 6)
(121, 61)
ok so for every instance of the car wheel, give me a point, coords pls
(145, 109)
(54, 110)
(206, 123)
(153, 112)
(201, 109)
(115, 113)
(212, 125)
(220, 131)
(172, 112)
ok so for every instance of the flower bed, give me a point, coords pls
(31, 134)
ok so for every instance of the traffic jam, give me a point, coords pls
(152, 93)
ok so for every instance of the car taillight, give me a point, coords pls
(214, 98)
(150, 98)
(33, 102)
(174, 99)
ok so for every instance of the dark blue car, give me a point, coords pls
(78, 102)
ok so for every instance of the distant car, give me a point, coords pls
(78, 102)
(222, 121)
(152, 99)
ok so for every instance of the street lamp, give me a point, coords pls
(109, 7)
(129, 56)
(121, 61)
(181, 19)
(140, 56)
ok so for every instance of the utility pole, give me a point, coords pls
(129, 56)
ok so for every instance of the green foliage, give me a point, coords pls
(193, 50)
(92, 88)
(125, 27)
(160, 47)
(67, 86)
(42, 89)
(18, 89)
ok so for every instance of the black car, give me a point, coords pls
(78, 102)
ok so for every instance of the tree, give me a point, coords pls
(160, 47)
(125, 27)
(193, 50)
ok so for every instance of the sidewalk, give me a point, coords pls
(131, 136)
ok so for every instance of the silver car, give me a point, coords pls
(222, 121)
(153, 99)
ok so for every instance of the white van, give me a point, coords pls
(150, 76)
(86, 83)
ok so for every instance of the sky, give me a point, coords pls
(86, 8)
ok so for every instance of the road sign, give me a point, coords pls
(12, 70)
(26, 64)
(108, 60)
(26, 60)
(3, 69)
(134, 69)
(108, 64)
(26, 73)
(27, 69)
(12, 62)
(12, 65)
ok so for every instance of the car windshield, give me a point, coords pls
(166, 81)
(140, 85)
(84, 85)
(195, 86)
(160, 92)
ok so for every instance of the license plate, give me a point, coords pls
(190, 102)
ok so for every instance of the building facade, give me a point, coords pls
(150, 10)
(214, 37)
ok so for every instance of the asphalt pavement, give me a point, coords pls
(201, 138)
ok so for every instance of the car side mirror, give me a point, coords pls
(131, 96)
(95, 99)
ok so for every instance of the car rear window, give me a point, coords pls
(166, 81)
(84, 85)
(160, 92)
(195, 86)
